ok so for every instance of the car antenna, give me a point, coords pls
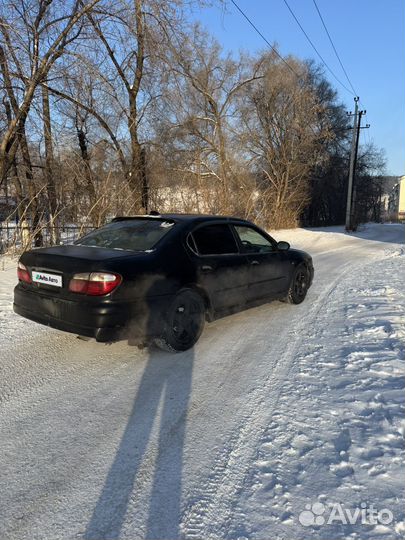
(154, 213)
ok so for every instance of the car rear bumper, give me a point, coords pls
(104, 322)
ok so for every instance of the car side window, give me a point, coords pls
(252, 240)
(215, 240)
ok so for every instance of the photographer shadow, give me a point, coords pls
(145, 460)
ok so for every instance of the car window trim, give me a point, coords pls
(188, 243)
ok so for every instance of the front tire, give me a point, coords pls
(299, 285)
(184, 322)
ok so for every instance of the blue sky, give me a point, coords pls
(370, 39)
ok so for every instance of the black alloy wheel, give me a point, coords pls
(299, 285)
(184, 322)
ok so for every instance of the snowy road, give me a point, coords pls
(276, 408)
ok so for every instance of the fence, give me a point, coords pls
(11, 236)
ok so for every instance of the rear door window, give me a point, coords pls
(215, 240)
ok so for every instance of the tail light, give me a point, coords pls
(23, 274)
(95, 283)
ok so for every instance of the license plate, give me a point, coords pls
(46, 279)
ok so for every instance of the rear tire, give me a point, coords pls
(299, 286)
(184, 322)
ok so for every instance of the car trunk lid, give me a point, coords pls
(52, 268)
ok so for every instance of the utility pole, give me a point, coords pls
(351, 168)
(353, 220)
(351, 188)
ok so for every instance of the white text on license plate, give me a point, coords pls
(46, 279)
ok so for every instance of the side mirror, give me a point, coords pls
(283, 246)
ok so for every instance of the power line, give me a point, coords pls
(315, 49)
(299, 77)
(334, 48)
(265, 39)
(366, 135)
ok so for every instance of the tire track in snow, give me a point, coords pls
(209, 514)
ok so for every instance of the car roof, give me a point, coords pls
(189, 218)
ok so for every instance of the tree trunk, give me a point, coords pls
(48, 171)
(135, 174)
(33, 203)
(223, 168)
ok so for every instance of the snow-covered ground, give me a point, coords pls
(284, 422)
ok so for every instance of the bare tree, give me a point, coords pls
(203, 121)
(26, 194)
(113, 107)
(283, 135)
(49, 170)
(42, 34)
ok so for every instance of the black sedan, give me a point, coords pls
(158, 278)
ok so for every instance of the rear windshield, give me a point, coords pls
(131, 235)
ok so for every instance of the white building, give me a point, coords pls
(396, 203)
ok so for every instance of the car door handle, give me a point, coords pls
(254, 263)
(206, 268)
